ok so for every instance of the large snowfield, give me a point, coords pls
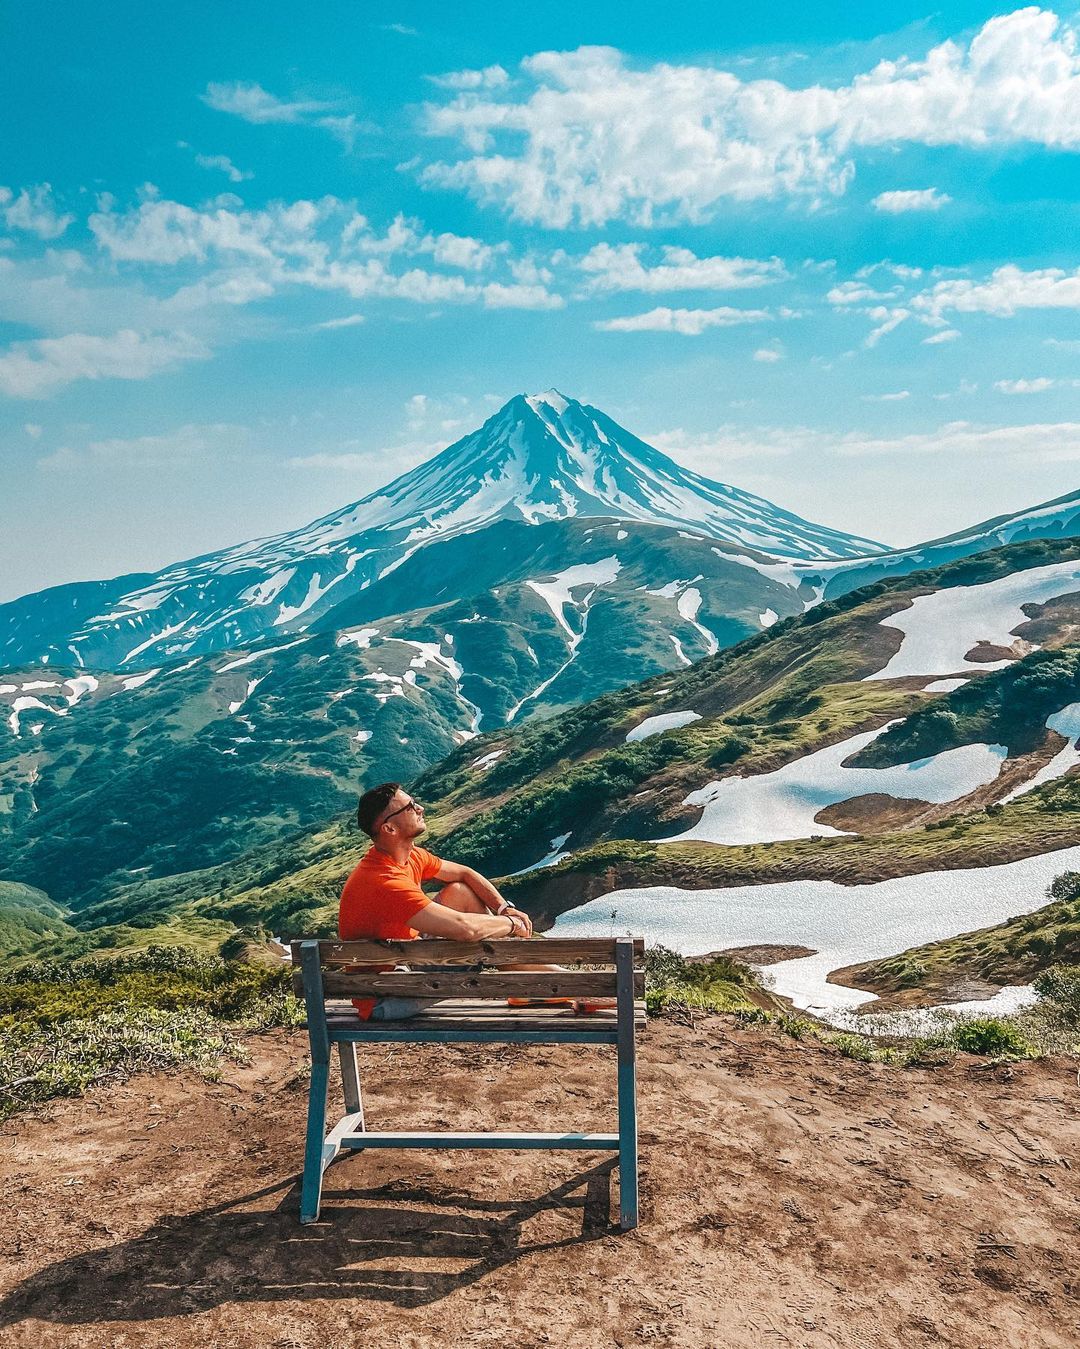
(784, 804)
(842, 924)
(940, 629)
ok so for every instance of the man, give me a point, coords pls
(382, 899)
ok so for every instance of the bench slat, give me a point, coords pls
(453, 984)
(485, 1016)
(433, 951)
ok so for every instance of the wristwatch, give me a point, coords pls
(503, 906)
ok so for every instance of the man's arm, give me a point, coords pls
(482, 888)
(436, 920)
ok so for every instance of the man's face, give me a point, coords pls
(404, 815)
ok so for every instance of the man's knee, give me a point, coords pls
(458, 896)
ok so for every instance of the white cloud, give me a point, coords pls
(34, 211)
(945, 335)
(497, 295)
(225, 164)
(349, 321)
(323, 245)
(583, 137)
(33, 430)
(1037, 385)
(1044, 442)
(703, 451)
(857, 293)
(38, 368)
(770, 354)
(346, 462)
(456, 250)
(961, 441)
(1008, 289)
(619, 267)
(168, 232)
(253, 103)
(491, 77)
(897, 397)
(897, 203)
(690, 322)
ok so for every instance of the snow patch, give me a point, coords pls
(79, 687)
(768, 618)
(944, 685)
(556, 854)
(137, 681)
(486, 760)
(361, 638)
(258, 655)
(665, 721)
(21, 705)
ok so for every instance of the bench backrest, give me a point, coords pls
(364, 969)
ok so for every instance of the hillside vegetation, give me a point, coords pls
(498, 801)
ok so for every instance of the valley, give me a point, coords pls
(633, 724)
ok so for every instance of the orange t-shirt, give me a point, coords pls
(379, 899)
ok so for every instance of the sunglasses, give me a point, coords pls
(409, 805)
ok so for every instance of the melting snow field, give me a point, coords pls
(784, 804)
(665, 721)
(844, 924)
(940, 629)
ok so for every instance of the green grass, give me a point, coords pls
(66, 1026)
(673, 983)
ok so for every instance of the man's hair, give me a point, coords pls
(373, 803)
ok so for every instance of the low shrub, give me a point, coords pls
(673, 982)
(990, 1035)
(1059, 992)
(65, 1060)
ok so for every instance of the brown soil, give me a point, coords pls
(790, 1197)
(768, 954)
(988, 652)
(934, 988)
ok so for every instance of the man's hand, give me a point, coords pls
(524, 918)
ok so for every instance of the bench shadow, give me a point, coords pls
(404, 1244)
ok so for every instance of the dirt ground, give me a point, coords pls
(790, 1197)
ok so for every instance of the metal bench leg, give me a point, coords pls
(315, 1145)
(311, 1194)
(628, 1139)
(350, 1083)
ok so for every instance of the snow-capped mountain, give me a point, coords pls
(539, 459)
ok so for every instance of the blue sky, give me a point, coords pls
(257, 259)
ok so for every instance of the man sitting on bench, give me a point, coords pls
(382, 899)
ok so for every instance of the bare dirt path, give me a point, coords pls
(790, 1197)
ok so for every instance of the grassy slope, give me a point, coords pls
(29, 920)
(1014, 952)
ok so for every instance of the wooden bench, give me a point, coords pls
(472, 987)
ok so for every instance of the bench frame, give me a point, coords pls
(349, 1134)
